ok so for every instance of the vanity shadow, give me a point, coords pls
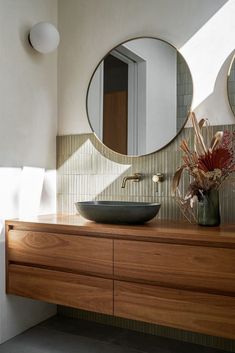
(66, 335)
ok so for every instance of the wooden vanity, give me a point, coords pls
(173, 274)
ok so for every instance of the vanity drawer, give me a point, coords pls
(83, 292)
(200, 312)
(69, 252)
(188, 267)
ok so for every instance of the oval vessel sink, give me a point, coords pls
(117, 212)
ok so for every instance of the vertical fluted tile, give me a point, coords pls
(86, 168)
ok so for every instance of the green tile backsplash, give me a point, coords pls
(87, 170)
(184, 91)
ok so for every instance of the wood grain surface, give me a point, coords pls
(115, 130)
(184, 266)
(84, 292)
(81, 254)
(199, 312)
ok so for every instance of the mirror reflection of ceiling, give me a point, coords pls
(231, 85)
(139, 96)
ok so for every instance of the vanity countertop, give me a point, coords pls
(155, 231)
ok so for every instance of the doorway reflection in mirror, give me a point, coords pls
(139, 96)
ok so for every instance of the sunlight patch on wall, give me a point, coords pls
(31, 184)
(9, 185)
(26, 192)
(207, 50)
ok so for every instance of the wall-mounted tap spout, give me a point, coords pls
(136, 177)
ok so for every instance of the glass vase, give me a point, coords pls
(209, 209)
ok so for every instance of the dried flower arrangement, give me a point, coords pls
(208, 165)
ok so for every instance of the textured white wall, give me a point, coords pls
(204, 31)
(28, 125)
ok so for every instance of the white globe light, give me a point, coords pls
(44, 37)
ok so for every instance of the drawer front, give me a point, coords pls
(199, 312)
(184, 266)
(83, 292)
(69, 252)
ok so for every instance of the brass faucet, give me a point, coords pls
(136, 177)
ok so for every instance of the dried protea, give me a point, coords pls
(208, 165)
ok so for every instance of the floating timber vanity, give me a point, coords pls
(169, 273)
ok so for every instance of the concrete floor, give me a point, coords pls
(65, 335)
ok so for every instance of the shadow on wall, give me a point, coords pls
(202, 12)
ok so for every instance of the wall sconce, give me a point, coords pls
(44, 37)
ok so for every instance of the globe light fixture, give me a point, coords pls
(44, 37)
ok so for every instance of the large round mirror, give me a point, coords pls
(231, 85)
(139, 96)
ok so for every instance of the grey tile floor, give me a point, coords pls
(66, 335)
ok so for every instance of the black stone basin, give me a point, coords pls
(118, 212)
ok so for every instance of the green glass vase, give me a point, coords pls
(209, 209)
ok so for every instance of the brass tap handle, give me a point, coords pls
(158, 178)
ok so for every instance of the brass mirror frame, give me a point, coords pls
(186, 118)
(228, 75)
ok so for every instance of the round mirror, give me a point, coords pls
(231, 85)
(139, 96)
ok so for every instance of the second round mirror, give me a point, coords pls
(231, 85)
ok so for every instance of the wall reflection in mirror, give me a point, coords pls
(139, 96)
(231, 85)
